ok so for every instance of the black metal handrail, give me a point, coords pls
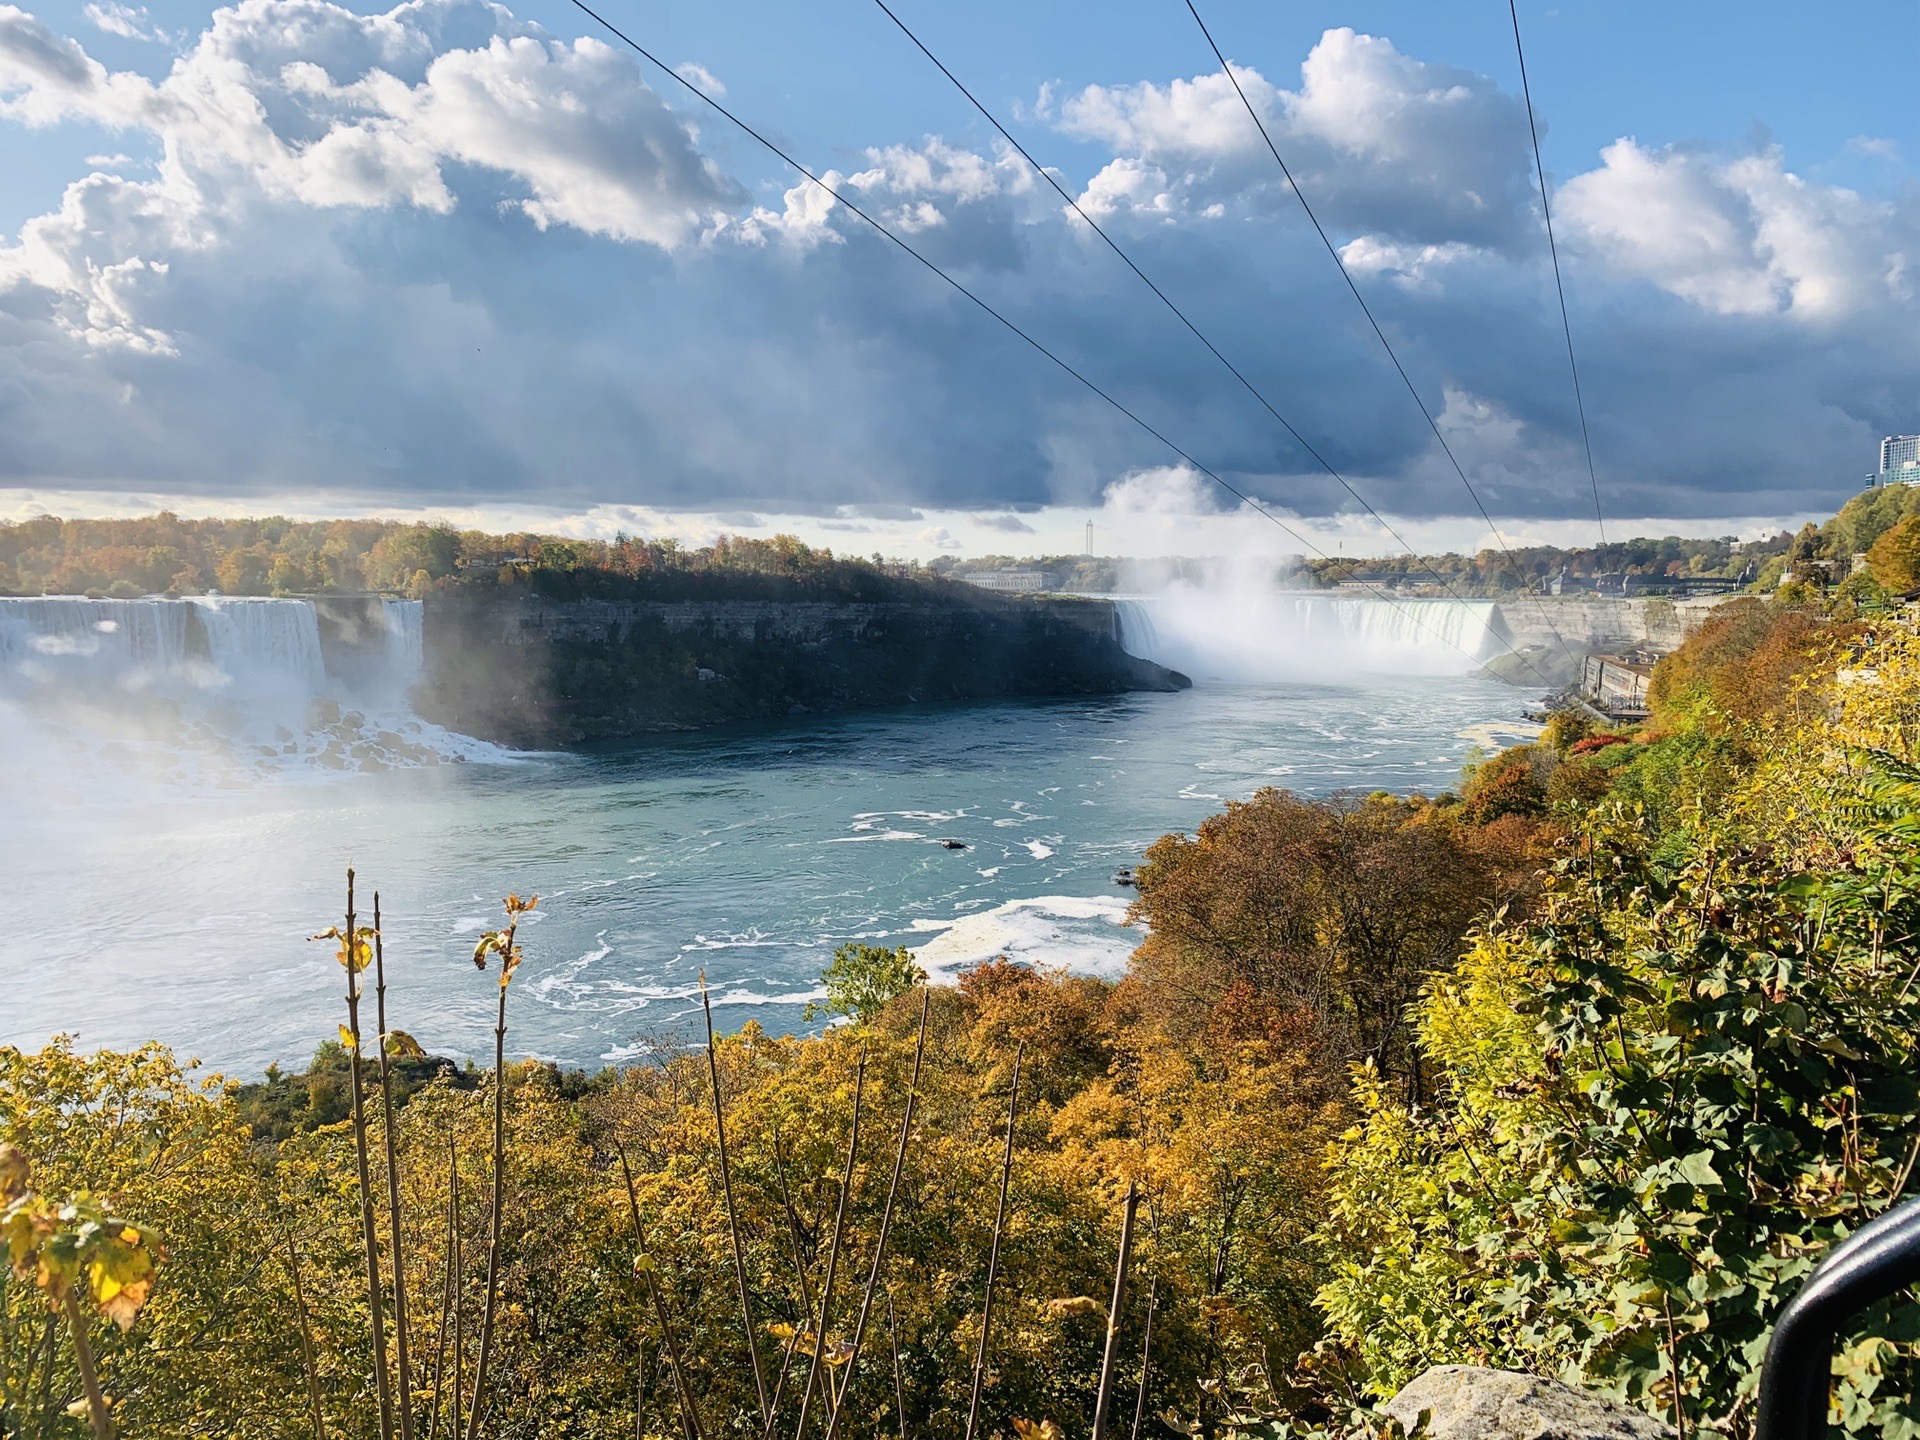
(1880, 1258)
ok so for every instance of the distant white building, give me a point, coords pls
(1014, 581)
(1899, 461)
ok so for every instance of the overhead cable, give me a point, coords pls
(1116, 404)
(1560, 289)
(1367, 310)
(1045, 174)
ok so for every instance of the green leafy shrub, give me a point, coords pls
(1663, 1096)
(861, 980)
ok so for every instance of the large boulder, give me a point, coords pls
(1464, 1402)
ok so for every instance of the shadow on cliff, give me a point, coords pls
(543, 670)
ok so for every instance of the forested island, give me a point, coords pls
(540, 643)
(1575, 1069)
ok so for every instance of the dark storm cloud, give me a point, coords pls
(436, 257)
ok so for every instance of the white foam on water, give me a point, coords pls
(1039, 849)
(1089, 936)
(1499, 734)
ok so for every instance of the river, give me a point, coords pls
(177, 908)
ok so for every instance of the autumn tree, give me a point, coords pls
(1337, 909)
(1746, 664)
(1895, 557)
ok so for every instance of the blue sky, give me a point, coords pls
(465, 260)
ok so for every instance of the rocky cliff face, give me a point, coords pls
(1603, 624)
(540, 672)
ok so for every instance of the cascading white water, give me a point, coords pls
(1258, 635)
(263, 646)
(1137, 634)
(405, 647)
(211, 688)
(72, 636)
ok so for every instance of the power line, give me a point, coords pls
(1553, 249)
(1181, 315)
(1367, 310)
(1244, 498)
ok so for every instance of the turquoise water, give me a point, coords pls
(749, 854)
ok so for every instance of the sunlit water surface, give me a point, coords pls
(749, 854)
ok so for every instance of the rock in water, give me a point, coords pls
(1464, 1402)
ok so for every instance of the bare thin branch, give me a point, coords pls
(306, 1339)
(401, 1354)
(689, 1416)
(369, 1233)
(886, 1223)
(993, 1254)
(733, 1215)
(1116, 1314)
(1146, 1360)
(815, 1364)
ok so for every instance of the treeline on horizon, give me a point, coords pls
(166, 554)
(1576, 1069)
(1490, 572)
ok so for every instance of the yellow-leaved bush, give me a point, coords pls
(1661, 1096)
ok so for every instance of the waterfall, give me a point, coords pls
(1135, 621)
(263, 645)
(225, 687)
(80, 635)
(1266, 635)
(404, 642)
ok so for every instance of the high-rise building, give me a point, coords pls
(1899, 462)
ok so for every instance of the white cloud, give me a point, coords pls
(1190, 120)
(803, 217)
(1129, 185)
(1164, 492)
(129, 22)
(908, 188)
(73, 264)
(305, 102)
(598, 149)
(439, 257)
(701, 78)
(938, 537)
(46, 78)
(1414, 265)
(1421, 152)
(1042, 107)
(1876, 147)
(1742, 236)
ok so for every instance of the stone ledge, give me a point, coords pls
(1464, 1402)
